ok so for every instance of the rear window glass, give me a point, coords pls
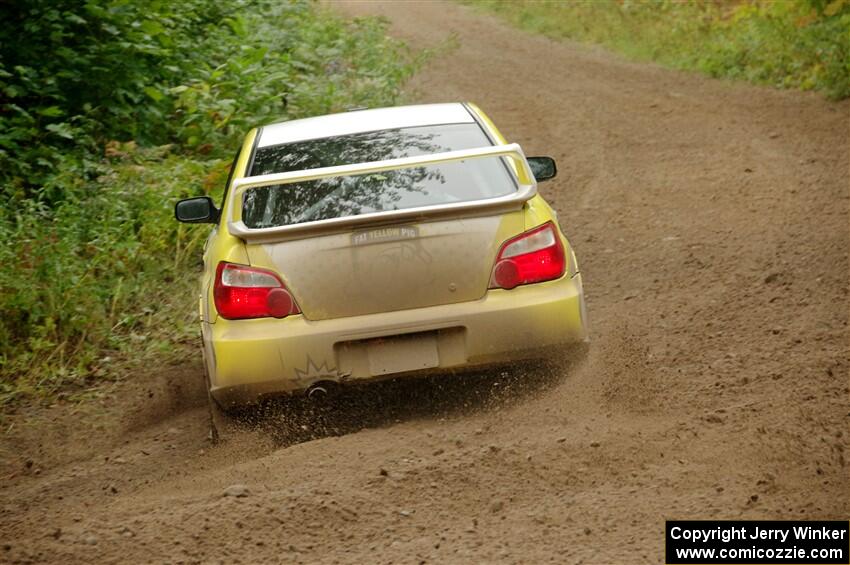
(336, 197)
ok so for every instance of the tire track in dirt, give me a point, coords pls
(710, 221)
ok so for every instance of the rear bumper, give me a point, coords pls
(248, 359)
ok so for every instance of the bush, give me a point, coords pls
(88, 275)
(112, 110)
(195, 72)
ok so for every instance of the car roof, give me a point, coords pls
(359, 121)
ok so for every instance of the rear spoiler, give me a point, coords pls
(521, 172)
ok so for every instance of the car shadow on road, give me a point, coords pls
(352, 408)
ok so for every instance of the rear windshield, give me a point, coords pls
(336, 197)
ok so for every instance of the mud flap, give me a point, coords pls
(215, 412)
(219, 421)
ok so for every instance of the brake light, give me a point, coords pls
(242, 292)
(534, 256)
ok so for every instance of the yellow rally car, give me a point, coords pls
(380, 243)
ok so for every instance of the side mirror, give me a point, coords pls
(199, 210)
(544, 168)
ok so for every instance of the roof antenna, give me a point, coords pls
(356, 108)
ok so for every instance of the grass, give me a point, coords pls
(102, 280)
(801, 44)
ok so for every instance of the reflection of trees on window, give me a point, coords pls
(374, 192)
(347, 149)
(337, 197)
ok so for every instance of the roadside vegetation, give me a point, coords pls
(109, 112)
(801, 44)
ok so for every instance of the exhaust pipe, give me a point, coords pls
(317, 392)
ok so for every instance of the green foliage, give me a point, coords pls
(111, 110)
(88, 275)
(786, 43)
(195, 72)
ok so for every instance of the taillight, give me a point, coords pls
(534, 256)
(248, 292)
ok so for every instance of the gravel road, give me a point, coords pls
(711, 224)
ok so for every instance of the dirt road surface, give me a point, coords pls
(711, 225)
